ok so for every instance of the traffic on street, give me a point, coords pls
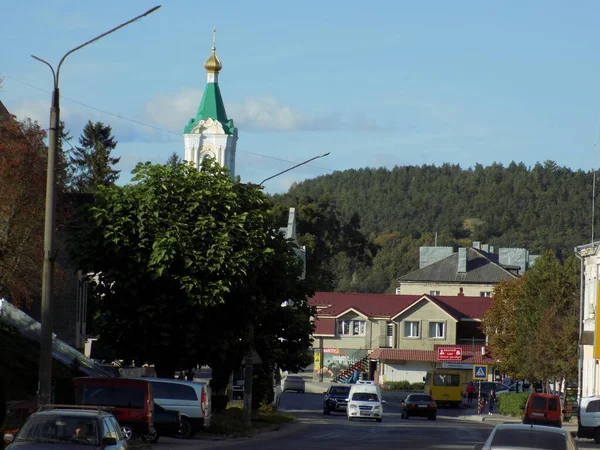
(315, 430)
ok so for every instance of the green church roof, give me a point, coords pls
(211, 107)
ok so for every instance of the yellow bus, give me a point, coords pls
(444, 386)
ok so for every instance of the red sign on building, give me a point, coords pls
(449, 354)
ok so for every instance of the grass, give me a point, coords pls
(231, 421)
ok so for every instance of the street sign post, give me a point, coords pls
(449, 354)
(480, 372)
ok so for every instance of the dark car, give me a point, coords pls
(418, 405)
(166, 423)
(335, 399)
(487, 386)
(68, 428)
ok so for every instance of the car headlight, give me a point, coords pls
(353, 406)
(376, 407)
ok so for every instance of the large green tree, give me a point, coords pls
(533, 321)
(183, 262)
(91, 162)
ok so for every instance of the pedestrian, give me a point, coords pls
(481, 405)
(470, 392)
(491, 402)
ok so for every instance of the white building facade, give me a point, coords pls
(589, 342)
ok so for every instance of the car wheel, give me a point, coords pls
(127, 432)
(379, 420)
(150, 438)
(326, 412)
(349, 418)
(185, 429)
(597, 435)
(431, 417)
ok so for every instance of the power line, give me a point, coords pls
(154, 127)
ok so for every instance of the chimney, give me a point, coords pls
(460, 292)
(462, 260)
(485, 248)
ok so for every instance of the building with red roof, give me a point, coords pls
(396, 337)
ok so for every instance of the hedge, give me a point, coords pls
(510, 404)
(405, 386)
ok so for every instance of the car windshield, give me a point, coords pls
(294, 378)
(419, 398)
(530, 438)
(365, 397)
(55, 428)
(339, 390)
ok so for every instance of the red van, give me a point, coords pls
(543, 409)
(131, 401)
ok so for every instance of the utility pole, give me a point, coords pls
(250, 351)
(47, 310)
(248, 375)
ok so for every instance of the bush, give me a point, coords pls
(231, 421)
(219, 403)
(405, 386)
(510, 404)
(419, 386)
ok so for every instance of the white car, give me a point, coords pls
(524, 437)
(588, 419)
(364, 402)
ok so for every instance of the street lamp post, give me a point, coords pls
(45, 360)
(249, 369)
(293, 167)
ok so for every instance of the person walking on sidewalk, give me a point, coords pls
(491, 402)
(470, 392)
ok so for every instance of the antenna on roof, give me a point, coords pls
(594, 180)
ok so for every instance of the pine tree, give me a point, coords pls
(173, 160)
(92, 163)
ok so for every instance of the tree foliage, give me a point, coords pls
(91, 162)
(184, 261)
(23, 159)
(538, 208)
(533, 321)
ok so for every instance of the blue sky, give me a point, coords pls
(376, 84)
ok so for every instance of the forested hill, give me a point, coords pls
(538, 207)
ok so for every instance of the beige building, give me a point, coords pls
(392, 337)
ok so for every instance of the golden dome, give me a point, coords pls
(213, 64)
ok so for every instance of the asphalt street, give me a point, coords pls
(315, 431)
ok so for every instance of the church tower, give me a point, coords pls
(211, 133)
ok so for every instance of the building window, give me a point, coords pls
(485, 294)
(411, 329)
(351, 327)
(437, 330)
(434, 292)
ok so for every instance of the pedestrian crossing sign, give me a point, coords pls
(480, 372)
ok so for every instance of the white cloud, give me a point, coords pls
(262, 113)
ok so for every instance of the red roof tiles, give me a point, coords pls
(324, 327)
(332, 304)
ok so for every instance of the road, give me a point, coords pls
(315, 431)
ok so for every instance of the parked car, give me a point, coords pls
(166, 423)
(364, 402)
(543, 409)
(293, 383)
(519, 386)
(418, 405)
(588, 419)
(335, 398)
(131, 401)
(523, 437)
(191, 398)
(65, 427)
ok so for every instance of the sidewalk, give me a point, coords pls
(496, 419)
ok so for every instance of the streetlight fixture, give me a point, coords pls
(297, 165)
(45, 361)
